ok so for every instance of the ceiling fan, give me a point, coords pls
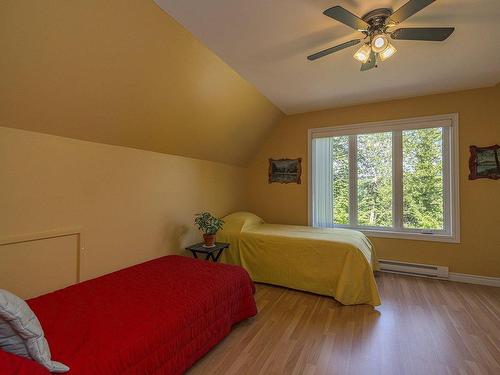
(375, 26)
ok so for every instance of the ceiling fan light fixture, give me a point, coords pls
(379, 43)
(388, 52)
(377, 36)
(363, 54)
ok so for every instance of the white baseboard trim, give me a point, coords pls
(459, 278)
(474, 279)
(432, 271)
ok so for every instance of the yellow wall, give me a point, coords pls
(123, 72)
(132, 205)
(479, 250)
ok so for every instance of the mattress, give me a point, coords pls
(157, 317)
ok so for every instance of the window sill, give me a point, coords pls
(409, 235)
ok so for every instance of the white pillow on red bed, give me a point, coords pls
(22, 334)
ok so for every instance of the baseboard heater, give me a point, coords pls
(414, 269)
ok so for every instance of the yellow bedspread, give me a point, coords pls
(327, 261)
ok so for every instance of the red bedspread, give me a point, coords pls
(158, 317)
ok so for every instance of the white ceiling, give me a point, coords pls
(267, 41)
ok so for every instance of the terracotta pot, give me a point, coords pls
(209, 239)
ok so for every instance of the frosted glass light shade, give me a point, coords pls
(363, 54)
(388, 52)
(380, 43)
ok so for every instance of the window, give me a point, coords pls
(391, 179)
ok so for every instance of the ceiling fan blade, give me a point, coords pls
(371, 63)
(347, 18)
(437, 34)
(409, 9)
(327, 51)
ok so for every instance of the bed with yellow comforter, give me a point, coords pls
(328, 261)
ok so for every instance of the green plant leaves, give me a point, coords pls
(208, 223)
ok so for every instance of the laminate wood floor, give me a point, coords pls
(422, 327)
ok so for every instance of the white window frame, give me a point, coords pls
(449, 122)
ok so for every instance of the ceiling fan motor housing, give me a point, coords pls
(377, 19)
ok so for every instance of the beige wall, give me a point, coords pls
(132, 205)
(123, 72)
(479, 250)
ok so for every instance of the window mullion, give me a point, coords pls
(397, 179)
(446, 179)
(353, 180)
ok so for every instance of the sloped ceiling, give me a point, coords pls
(267, 42)
(123, 72)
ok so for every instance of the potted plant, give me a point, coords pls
(209, 225)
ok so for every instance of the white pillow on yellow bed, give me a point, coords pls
(237, 221)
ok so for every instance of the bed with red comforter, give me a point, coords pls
(157, 317)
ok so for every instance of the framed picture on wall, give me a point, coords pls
(484, 162)
(285, 171)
